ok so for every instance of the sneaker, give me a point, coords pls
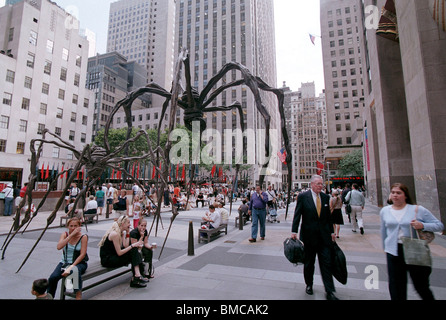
(137, 283)
(362, 230)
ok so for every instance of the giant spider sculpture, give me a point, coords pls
(96, 159)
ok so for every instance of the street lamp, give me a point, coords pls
(328, 175)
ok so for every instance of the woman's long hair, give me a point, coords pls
(405, 189)
(115, 227)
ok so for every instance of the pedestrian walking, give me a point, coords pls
(9, 199)
(357, 202)
(397, 220)
(257, 210)
(336, 212)
(317, 234)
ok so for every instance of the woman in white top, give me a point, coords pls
(397, 220)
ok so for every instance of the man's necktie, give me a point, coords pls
(318, 205)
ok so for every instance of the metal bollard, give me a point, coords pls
(240, 221)
(190, 247)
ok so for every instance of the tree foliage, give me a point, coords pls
(352, 164)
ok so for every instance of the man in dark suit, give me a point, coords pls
(317, 234)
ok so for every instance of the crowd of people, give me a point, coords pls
(317, 219)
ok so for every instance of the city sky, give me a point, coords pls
(298, 60)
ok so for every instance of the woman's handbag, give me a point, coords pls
(428, 236)
(416, 251)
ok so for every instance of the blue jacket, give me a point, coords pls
(390, 226)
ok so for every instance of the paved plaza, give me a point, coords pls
(227, 268)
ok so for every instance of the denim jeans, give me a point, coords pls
(8, 206)
(57, 275)
(258, 216)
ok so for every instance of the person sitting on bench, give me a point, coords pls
(200, 198)
(212, 218)
(91, 208)
(140, 234)
(74, 258)
(117, 251)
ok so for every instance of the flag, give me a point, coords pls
(47, 174)
(42, 171)
(213, 170)
(183, 174)
(320, 167)
(61, 176)
(282, 155)
(153, 172)
(312, 38)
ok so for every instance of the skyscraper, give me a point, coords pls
(217, 32)
(307, 124)
(342, 37)
(143, 31)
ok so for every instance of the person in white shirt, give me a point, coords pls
(109, 195)
(212, 218)
(91, 208)
(9, 199)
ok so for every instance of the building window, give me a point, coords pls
(59, 113)
(56, 151)
(83, 137)
(43, 108)
(33, 37)
(73, 116)
(49, 46)
(2, 145)
(7, 98)
(61, 94)
(10, 76)
(20, 148)
(23, 125)
(28, 82)
(30, 60)
(65, 54)
(63, 74)
(45, 88)
(4, 122)
(78, 61)
(75, 99)
(11, 34)
(71, 136)
(47, 67)
(25, 103)
(339, 141)
(77, 79)
(40, 128)
(58, 131)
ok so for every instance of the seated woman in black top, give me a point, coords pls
(116, 251)
(140, 234)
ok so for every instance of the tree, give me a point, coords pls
(117, 136)
(352, 164)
